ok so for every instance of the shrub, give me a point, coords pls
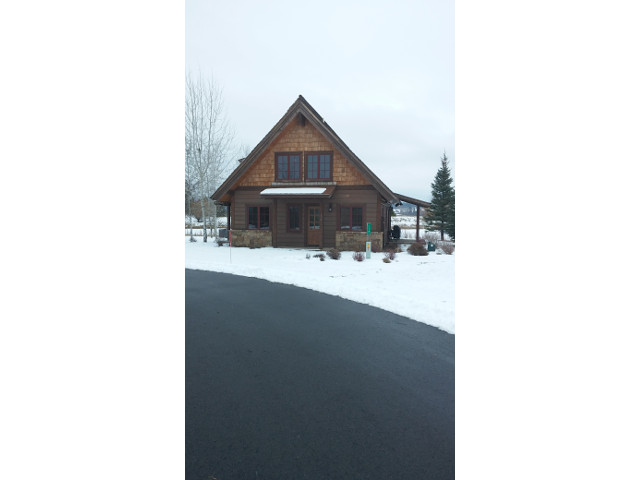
(358, 256)
(308, 256)
(417, 249)
(320, 256)
(390, 255)
(433, 237)
(395, 249)
(447, 247)
(334, 253)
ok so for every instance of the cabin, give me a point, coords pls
(301, 186)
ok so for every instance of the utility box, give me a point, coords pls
(431, 247)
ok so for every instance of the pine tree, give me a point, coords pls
(443, 197)
(450, 226)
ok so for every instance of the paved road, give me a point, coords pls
(287, 383)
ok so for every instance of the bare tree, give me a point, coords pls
(208, 140)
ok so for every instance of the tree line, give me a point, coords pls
(209, 147)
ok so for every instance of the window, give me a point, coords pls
(319, 166)
(258, 218)
(287, 166)
(351, 218)
(294, 218)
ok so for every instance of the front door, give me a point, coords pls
(314, 232)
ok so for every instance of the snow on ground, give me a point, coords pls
(421, 288)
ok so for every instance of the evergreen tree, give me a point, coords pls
(450, 226)
(443, 198)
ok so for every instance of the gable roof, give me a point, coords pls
(302, 110)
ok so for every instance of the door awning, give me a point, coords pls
(326, 192)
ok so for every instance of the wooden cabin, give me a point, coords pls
(301, 186)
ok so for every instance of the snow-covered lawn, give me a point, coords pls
(421, 288)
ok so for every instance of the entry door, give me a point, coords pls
(314, 232)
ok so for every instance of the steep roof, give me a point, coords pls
(302, 110)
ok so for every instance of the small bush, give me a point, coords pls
(447, 247)
(390, 255)
(308, 256)
(433, 237)
(417, 249)
(320, 256)
(358, 256)
(334, 253)
(386, 260)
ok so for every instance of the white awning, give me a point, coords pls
(308, 191)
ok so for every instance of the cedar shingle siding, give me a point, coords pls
(303, 131)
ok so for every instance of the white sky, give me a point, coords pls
(380, 73)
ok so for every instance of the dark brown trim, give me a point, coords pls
(306, 167)
(413, 201)
(288, 155)
(355, 187)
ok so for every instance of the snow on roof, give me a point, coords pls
(294, 191)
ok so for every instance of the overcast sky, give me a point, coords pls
(380, 73)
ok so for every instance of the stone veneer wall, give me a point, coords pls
(250, 238)
(357, 241)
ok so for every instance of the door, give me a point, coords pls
(314, 232)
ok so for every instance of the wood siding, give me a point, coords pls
(352, 189)
(298, 138)
(248, 198)
(286, 238)
(365, 197)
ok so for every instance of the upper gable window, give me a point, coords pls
(287, 166)
(319, 166)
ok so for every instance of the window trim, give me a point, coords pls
(306, 166)
(300, 218)
(268, 207)
(350, 229)
(288, 155)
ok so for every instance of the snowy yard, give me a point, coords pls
(421, 288)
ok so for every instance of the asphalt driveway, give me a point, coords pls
(288, 383)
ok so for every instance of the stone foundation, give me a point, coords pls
(250, 238)
(357, 241)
